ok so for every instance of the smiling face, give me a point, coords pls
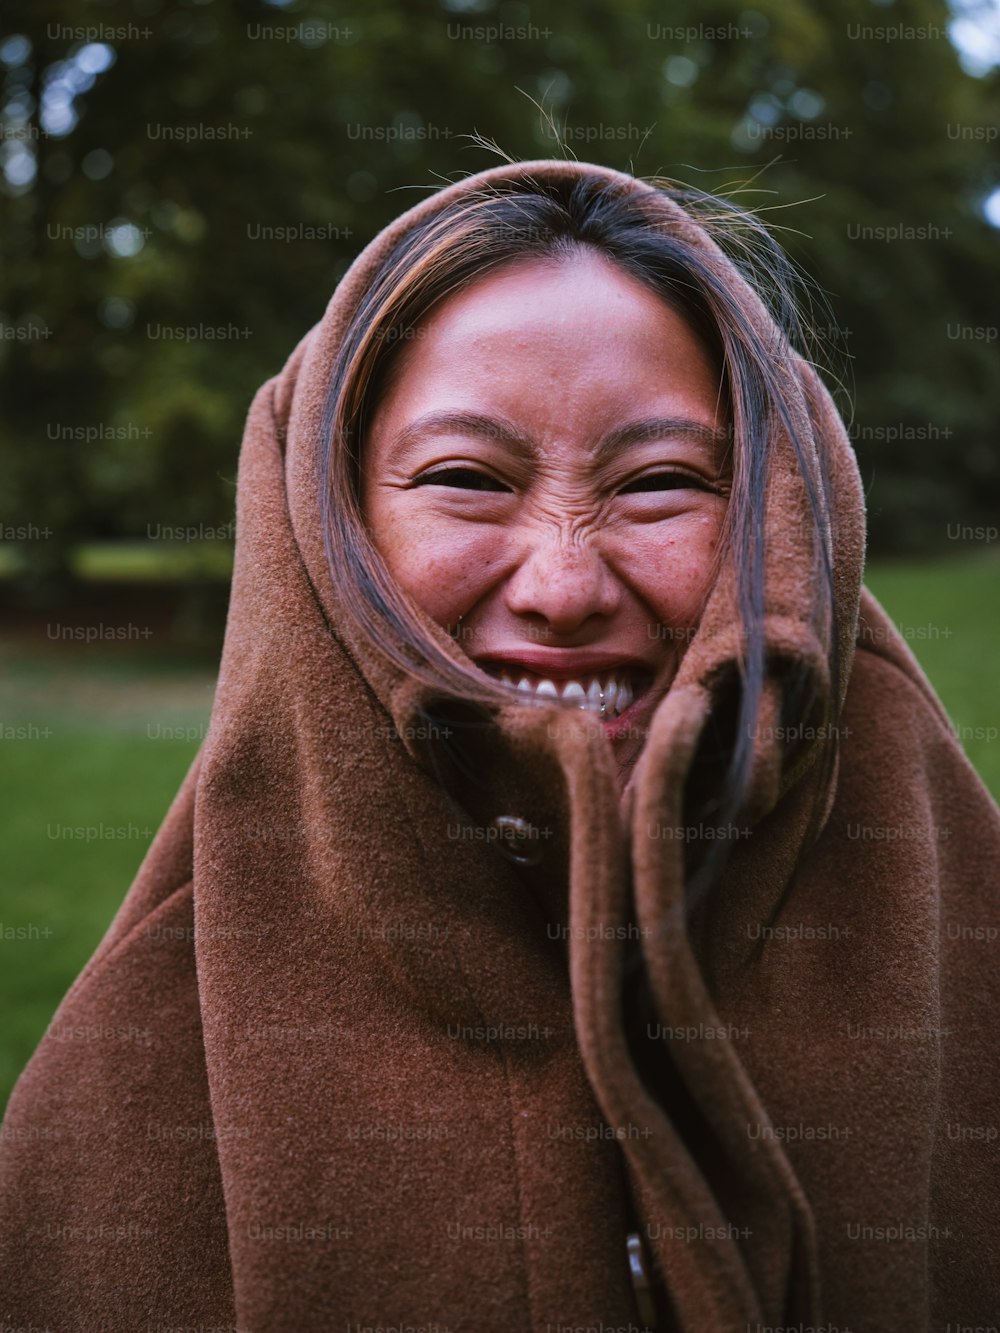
(549, 463)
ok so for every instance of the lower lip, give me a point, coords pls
(616, 727)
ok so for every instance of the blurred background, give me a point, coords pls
(182, 184)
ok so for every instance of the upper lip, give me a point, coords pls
(563, 663)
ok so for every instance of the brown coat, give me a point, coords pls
(341, 1061)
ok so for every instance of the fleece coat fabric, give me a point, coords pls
(341, 1062)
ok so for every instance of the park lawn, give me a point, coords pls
(121, 736)
(947, 612)
(81, 812)
(90, 764)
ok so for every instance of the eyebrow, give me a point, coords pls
(499, 428)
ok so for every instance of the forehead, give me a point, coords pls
(560, 346)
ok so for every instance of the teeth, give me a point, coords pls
(615, 695)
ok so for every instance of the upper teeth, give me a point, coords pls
(609, 695)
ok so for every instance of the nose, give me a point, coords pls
(563, 580)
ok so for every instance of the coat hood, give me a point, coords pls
(790, 598)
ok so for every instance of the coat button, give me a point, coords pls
(518, 839)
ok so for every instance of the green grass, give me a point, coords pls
(61, 890)
(104, 745)
(102, 749)
(947, 612)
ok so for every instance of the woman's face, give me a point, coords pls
(549, 463)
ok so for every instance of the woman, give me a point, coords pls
(552, 931)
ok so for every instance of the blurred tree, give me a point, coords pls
(183, 185)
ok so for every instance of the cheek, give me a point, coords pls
(670, 565)
(444, 565)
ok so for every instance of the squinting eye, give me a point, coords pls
(464, 478)
(665, 481)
